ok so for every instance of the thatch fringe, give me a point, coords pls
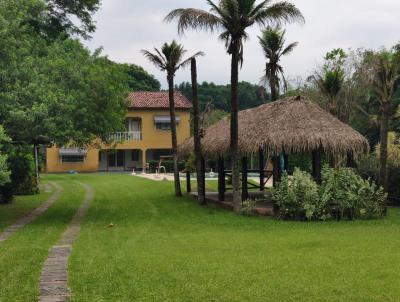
(292, 125)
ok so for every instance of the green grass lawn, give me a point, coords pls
(24, 253)
(21, 206)
(167, 249)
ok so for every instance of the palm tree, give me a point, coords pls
(233, 18)
(170, 59)
(272, 41)
(384, 75)
(331, 81)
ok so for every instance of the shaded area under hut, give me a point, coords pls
(293, 125)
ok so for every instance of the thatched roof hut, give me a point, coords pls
(291, 125)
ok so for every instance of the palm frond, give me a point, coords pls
(278, 13)
(191, 18)
(188, 60)
(289, 48)
(155, 59)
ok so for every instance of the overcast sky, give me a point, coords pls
(124, 27)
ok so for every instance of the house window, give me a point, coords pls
(72, 158)
(164, 122)
(135, 155)
(115, 158)
(133, 125)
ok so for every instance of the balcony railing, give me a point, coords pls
(126, 136)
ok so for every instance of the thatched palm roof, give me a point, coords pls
(291, 125)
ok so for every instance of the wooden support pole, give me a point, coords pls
(316, 165)
(261, 168)
(221, 179)
(188, 183)
(286, 163)
(350, 160)
(245, 192)
(276, 172)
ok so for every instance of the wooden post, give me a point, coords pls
(286, 162)
(188, 183)
(316, 165)
(221, 179)
(245, 192)
(261, 167)
(350, 160)
(277, 172)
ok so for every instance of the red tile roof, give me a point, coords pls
(157, 100)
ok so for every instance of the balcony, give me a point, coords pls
(130, 136)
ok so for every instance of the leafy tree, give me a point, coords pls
(170, 59)
(382, 70)
(272, 42)
(331, 81)
(233, 18)
(218, 96)
(4, 171)
(138, 78)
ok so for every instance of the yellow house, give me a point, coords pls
(147, 137)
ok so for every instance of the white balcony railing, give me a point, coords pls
(126, 136)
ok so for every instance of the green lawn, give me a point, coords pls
(24, 253)
(21, 206)
(167, 249)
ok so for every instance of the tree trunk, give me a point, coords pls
(201, 186)
(235, 129)
(383, 177)
(273, 83)
(178, 192)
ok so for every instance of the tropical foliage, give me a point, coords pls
(272, 41)
(232, 18)
(170, 58)
(342, 195)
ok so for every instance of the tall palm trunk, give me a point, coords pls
(383, 177)
(201, 186)
(178, 192)
(273, 83)
(235, 128)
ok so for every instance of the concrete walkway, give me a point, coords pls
(53, 284)
(32, 215)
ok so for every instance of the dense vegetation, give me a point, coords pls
(218, 96)
(52, 88)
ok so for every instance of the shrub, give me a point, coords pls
(349, 196)
(23, 177)
(248, 207)
(297, 197)
(343, 194)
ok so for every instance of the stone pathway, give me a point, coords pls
(32, 215)
(54, 279)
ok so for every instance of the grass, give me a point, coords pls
(167, 249)
(21, 206)
(24, 253)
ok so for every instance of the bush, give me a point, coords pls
(248, 207)
(350, 196)
(343, 194)
(298, 197)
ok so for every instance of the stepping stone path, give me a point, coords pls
(54, 279)
(32, 215)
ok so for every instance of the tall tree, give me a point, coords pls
(170, 59)
(383, 72)
(331, 82)
(233, 18)
(272, 41)
(200, 166)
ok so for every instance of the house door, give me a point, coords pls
(116, 158)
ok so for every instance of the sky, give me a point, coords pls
(125, 27)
